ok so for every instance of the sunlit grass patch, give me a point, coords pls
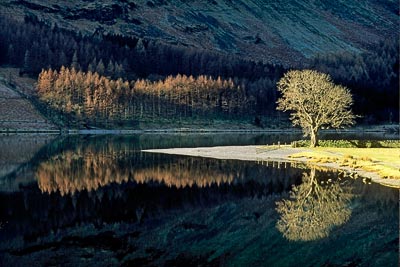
(365, 158)
(347, 157)
(326, 159)
(350, 143)
(383, 161)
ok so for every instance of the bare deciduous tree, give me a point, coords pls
(315, 102)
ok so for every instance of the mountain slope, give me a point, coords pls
(283, 31)
(16, 109)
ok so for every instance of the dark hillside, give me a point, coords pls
(275, 31)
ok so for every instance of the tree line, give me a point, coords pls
(97, 100)
(372, 77)
(32, 45)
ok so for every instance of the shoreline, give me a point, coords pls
(283, 154)
(379, 129)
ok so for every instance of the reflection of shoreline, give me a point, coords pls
(281, 154)
(17, 152)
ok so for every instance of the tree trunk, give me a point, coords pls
(314, 138)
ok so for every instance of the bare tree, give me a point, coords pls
(315, 102)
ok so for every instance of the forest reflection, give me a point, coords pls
(88, 168)
(101, 180)
(109, 180)
(314, 207)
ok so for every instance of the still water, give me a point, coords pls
(100, 201)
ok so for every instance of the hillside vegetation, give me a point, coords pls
(97, 100)
(249, 43)
(275, 31)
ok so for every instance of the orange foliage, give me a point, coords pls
(90, 96)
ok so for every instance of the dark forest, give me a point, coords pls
(33, 46)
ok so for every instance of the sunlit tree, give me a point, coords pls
(313, 209)
(315, 102)
(91, 97)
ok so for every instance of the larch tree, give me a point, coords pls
(315, 102)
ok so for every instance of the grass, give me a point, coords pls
(383, 161)
(350, 143)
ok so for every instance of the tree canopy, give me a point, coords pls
(98, 100)
(315, 102)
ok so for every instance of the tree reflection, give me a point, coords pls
(313, 209)
(74, 171)
(89, 168)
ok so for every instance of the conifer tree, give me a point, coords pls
(75, 62)
(100, 67)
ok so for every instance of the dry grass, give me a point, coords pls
(383, 161)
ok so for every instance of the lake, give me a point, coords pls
(94, 200)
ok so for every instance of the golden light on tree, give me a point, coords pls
(313, 209)
(315, 102)
(90, 96)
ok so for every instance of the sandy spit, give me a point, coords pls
(252, 153)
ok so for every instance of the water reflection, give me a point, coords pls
(16, 154)
(73, 172)
(90, 166)
(85, 186)
(96, 199)
(314, 208)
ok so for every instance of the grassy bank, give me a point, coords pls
(383, 161)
